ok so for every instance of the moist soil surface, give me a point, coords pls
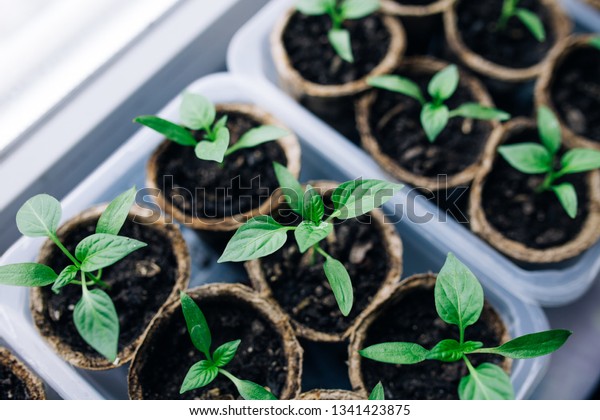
(302, 289)
(11, 387)
(140, 284)
(260, 357)
(513, 46)
(413, 318)
(536, 220)
(310, 53)
(205, 189)
(575, 92)
(396, 125)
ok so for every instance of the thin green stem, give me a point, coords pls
(462, 336)
(83, 283)
(469, 365)
(65, 251)
(333, 215)
(228, 375)
(78, 283)
(97, 281)
(546, 185)
(322, 252)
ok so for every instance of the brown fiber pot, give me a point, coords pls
(330, 395)
(561, 26)
(291, 149)
(370, 144)
(357, 341)
(39, 305)
(593, 3)
(546, 80)
(390, 241)
(590, 232)
(265, 307)
(33, 384)
(328, 100)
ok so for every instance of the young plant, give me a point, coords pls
(263, 235)
(377, 393)
(339, 11)
(95, 316)
(595, 42)
(527, 18)
(534, 158)
(459, 301)
(434, 113)
(205, 371)
(197, 113)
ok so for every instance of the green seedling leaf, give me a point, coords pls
(434, 119)
(471, 346)
(395, 353)
(258, 238)
(39, 216)
(549, 129)
(532, 23)
(314, 209)
(377, 393)
(308, 234)
(27, 275)
(568, 198)
(97, 322)
(580, 160)
(100, 250)
(358, 9)
(444, 83)
(225, 353)
(479, 112)
(257, 136)
(171, 131)
(314, 7)
(446, 351)
(196, 111)
(214, 150)
(341, 285)
(65, 278)
(199, 375)
(290, 188)
(196, 324)
(221, 124)
(487, 382)
(341, 43)
(357, 197)
(398, 84)
(529, 158)
(113, 218)
(249, 390)
(595, 42)
(531, 345)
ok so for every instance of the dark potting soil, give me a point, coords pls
(11, 386)
(207, 190)
(260, 357)
(306, 42)
(302, 289)
(514, 46)
(396, 125)
(535, 220)
(413, 318)
(575, 92)
(140, 284)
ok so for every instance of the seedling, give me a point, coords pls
(531, 21)
(459, 301)
(595, 42)
(377, 393)
(205, 371)
(95, 316)
(534, 158)
(434, 113)
(339, 11)
(197, 113)
(263, 235)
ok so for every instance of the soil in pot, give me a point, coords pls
(514, 47)
(515, 210)
(11, 386)
(413, 318)
(16, 381)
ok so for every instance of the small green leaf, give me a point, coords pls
(214, 149)
(568, 198)
(196, 111)
(341, 285)
(39, 216)
(27, 275)
(580, 160)
(258, 238)
(312, 7)
(290, 188)
(377, 393)
(434, 119)
(225, 353)
(101, 250)
(113, 218)
(479, 112)
(395, 353)
(531, 345)
(529, 158)
(249, 390)
(97, 322)
(458, 294)
(308, 234)
(549, 129)
(199, 375)
(341, 43)
(487, 382)
(471, 346)
(171, 131)
(446, 351)
(257, 136)
(398, 84)
(358, 9)
(443, 85)
(65, 278)
(595, 42)
(221, 124)
(196, 324)
(357, 197)
(532, 23)
(314, 209)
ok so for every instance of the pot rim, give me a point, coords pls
(330, 394)
(413, 10)
(33, 383)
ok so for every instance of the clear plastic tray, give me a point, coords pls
(423, 252)
(249, 55)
